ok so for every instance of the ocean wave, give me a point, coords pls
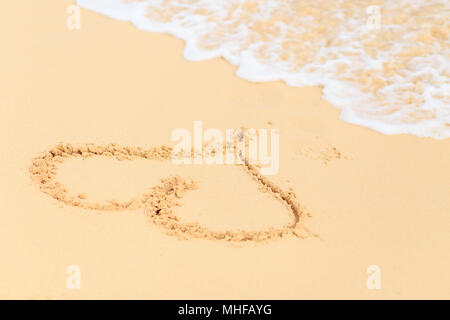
(385, 63)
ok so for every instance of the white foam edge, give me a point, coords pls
(250, 69)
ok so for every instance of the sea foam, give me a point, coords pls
(385, 63)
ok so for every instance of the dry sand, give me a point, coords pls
(372, 198)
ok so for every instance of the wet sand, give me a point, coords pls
(373, 199)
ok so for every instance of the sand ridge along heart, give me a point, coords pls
(158, 202)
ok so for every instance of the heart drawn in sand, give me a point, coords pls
(158, 203)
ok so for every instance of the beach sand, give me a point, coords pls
(373, 199)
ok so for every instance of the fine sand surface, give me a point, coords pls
(372, 199)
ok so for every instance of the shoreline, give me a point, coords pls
(374, 199)
(385, 109)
